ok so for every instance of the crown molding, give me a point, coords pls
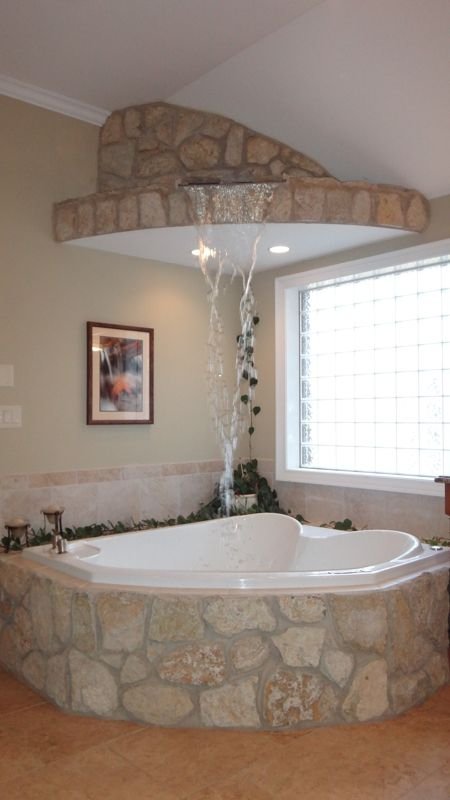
(52, 101)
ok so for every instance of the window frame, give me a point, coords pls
(287, 390)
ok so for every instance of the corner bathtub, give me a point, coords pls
(258, 551)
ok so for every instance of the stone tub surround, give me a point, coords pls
(146, 152)
(131, 492)
(224, 661)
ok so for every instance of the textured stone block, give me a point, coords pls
(367, 697)
(34, 670)
(337, 666)
(135, 669)
(280, 208)
(408, 690)
(418, 214)
(9, 652)
(437, 669)
(84, 635)
(112, 130)
(41, 614)
(117, 159)
(152, 213)
(339, 206)
(132, 123)
(230, 615)
(200, 152)
(93, 687)
(14, 581)
(215, 126)
(187, 123)
(178, 210)
(402, 630)
(295, 159)
(361, 620)
(361, 208)
(310, 204)
(261, 150)
(121, 616)
(61, 600)
(156, 704)
(389, 211)
(303, 608)
(154, 165)
(300, 647)
(86, 219)
(128, 213)
(175, 620)
(197, 665)
(291, 698)
(105, 216)
(249, 652)
(23, 631)
(234, 146)
(231, 706)
(56, 680)
(65, 222)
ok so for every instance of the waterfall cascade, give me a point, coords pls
(229, 252)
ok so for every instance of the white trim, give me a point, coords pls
(286, 316)
(357, 480)
(367, 264)
(52, 101)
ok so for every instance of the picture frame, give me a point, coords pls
(119, 374)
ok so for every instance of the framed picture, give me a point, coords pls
(119, 375)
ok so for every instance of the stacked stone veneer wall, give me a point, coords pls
(224, 661)
(146, 152)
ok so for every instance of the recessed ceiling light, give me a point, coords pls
(207, 252)
(279, 248)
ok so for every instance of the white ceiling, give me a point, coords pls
(115, 53)
(360, 85)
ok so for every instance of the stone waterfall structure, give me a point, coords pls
(148, 153)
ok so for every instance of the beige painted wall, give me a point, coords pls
(47, 293)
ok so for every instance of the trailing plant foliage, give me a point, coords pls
(249, 377)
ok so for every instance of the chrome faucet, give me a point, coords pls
(53, 515)
(59, 543)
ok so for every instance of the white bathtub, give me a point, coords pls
(258, 551)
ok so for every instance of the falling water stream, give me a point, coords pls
(228, 252)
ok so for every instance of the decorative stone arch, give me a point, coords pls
(149, 153)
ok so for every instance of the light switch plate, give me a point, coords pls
(10, 416)
(6, 375)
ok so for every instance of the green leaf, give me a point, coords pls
(255, 320)
(253, 381)
(256, 410)
(244, 398)
(251, 430)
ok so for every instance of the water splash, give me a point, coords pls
(228, 252)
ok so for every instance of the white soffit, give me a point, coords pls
(306, 241)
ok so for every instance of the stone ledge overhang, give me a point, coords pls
(148, 153)
(165, 203)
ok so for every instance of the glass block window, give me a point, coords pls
(374, 371)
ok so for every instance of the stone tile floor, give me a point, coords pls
(47, 754)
